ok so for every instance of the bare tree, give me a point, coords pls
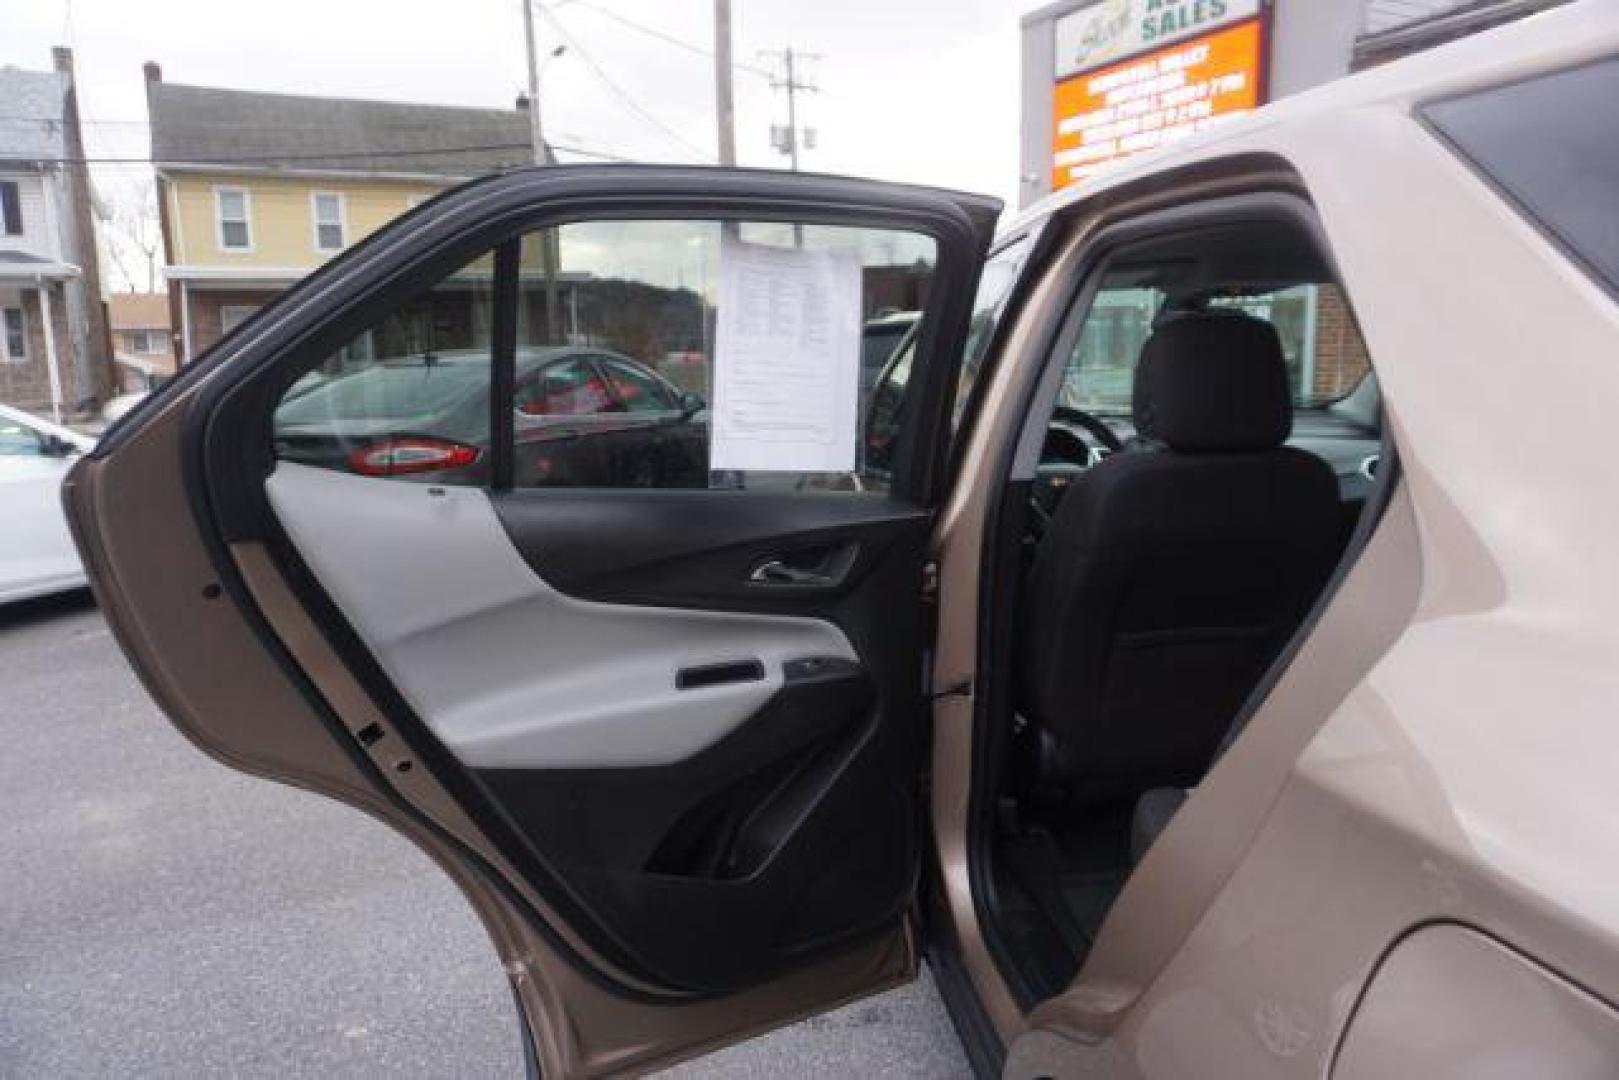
(132, 239)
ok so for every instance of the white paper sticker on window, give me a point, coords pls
(787, 359)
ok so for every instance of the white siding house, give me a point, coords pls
(50, 307)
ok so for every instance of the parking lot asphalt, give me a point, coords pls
(163, 915)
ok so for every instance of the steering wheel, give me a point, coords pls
(1095, 428)
(1074, 453)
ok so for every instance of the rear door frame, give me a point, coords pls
(224, 463)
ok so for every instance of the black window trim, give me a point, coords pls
(503, 367)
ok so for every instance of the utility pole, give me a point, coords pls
(724, 98)
(536, 130)
(786, 140)
(550, 247)
(792, 111)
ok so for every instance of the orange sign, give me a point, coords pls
(1114, 112)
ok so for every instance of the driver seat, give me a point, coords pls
(1173, 573)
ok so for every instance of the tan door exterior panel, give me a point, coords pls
(207, 669)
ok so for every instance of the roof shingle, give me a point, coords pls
(209, 126)
(31, 128)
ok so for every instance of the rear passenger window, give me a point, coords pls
(1549, 144)
(779, 405)
(408, 397)
(667, 354)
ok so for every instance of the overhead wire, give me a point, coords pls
(618, 91)
(277, 159)
(590, 61)
(668, 38)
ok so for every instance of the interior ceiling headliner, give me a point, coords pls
(1240, 255)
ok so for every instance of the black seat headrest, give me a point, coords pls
(1212, 382)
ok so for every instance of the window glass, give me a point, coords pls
(233, 230)
(878, 342)
(1549, 144)
(16, 335)
(638, 391)
(408, 397)
(10, 208)
(19, 440)
(233, 315)
(643, 300)
(565, 388)
(328, 221)
(621, 347)
(887, 410)
(1323, 350)
(1000, 273)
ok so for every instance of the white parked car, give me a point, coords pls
(36, 552)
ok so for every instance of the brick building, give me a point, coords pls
(142, 341)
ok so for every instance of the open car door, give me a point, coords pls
(475, 530)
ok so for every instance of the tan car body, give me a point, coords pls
(1425, 798)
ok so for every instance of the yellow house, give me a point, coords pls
(255, 190)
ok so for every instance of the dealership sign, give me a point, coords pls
(1135, 74)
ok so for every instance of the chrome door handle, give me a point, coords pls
(776, 572)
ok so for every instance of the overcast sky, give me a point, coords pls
(914, 90)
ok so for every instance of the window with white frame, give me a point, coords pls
(328, 212)
(141, 341)
(14, 349)
(235, 210)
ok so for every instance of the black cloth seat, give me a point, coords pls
(1171, 576)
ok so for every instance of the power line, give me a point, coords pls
(602, 154)
(623, 95)
(277, 159)
(654, 32)
(50, 121)
(227, 124)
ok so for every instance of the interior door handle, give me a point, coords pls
(706, 675)
(777, 572)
